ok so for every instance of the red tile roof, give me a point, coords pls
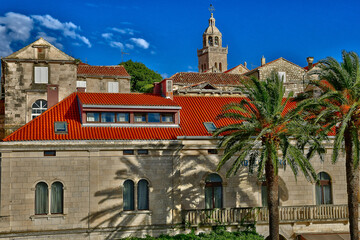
(216, 79)
(195, 110)
(86, 69)
(131, 99)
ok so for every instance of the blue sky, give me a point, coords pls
(165, 34)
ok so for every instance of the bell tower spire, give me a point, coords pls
(212, 57)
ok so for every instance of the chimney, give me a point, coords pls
(245, 64)
(167, 88)
(157, 88)
(310, 61)
(262, 61)
(52, 95)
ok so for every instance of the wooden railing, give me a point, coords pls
(318, 213)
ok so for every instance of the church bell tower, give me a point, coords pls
(212, 57)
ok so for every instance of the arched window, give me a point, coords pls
(57, 198)
(213, 191)
(220, 67)
(210, 41)
(143, 195)
(38, 107)
(216, 41)
(128, 195)
(41, 198)
(216, 65)
(323, 189)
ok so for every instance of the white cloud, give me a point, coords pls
(14, 27)
(117, 45)
(50, 39)
(128, 31)
(68, 29)
(140, 42)
(129, 46)
(107, 35)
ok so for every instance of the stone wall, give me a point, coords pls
(100, 84)
(295, 75)
(93, 175)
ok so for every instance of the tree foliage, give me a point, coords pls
(265, 125)
(142, 78)
(335, 104)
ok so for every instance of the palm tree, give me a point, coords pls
(337, 106)
(263, 126)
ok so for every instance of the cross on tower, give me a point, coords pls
(211, 9)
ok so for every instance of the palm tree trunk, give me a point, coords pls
(273, 199)
(352, 182)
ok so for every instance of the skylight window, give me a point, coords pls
(210, 126)
(60, 127)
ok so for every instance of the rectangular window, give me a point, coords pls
(139, 117)
(113, 87)
(168, 85)
(128, 152)
(92, 117)
(143, 152)
(122, 117)
(108, 117)
(167, 118)
(153, 117)
(210, 126)
(41, 74)
(49, 153)
(282, 76)
(81, 84)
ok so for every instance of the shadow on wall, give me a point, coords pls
(158, 171)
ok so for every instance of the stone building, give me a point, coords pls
(100, 165)
(212, 57)
(39, 75)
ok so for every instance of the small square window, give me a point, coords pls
(167, 118)
(210, 126)
(128, 152)
(154, 117)
(122, 117)
(92, 117)
(212, 151)
(60, 127)
(49, 153)
(41, 74)
(282, 76)
(140, 117)
(143, 152)
(107, 117)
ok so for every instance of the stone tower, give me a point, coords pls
(212, 57)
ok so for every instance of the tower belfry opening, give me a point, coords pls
(212, 57)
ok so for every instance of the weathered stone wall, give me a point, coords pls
(21, 91)
(100, 84)
(295, 75)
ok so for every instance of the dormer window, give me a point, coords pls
(93, 117)
(139, 117)
(167, 118)
(123, 117)
(108, 117)
(153, 117)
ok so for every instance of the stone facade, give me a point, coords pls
(20, 89)
(295, 75)
(93, 174)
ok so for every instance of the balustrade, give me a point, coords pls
(287, 214)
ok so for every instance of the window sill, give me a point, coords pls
(136, 212)
(33, 217)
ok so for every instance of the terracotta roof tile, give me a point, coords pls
(131, 99)
(216, 79)
(195, 110)
(86, 69)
